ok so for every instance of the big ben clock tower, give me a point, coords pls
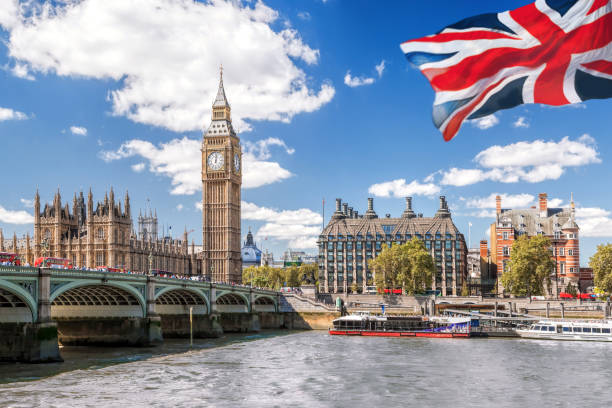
(221, 181)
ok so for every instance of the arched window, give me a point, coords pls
(47, 234)
(100, 233)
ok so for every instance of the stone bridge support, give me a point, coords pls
(34, 342)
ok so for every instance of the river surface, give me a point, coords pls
(313, 369)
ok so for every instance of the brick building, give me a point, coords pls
(557, 224)
(350, 241)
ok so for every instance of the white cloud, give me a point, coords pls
(299, 228)
(380, 68)
(10, 114)
(532, 162)
(179, 207)
(399, 188)
(78, 130)
(357, 81)
(180, 160)
(594, 222)
(27, 202)
(21, 71)
(304, 15)
(521, 122)
(15, 217)
(508, 201)
(164, 59)
(486, 122)
(138, 167)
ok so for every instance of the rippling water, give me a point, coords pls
(313, 369)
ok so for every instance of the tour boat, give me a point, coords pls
(568, 330)
(365, 324)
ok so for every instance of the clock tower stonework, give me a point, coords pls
(221, 182)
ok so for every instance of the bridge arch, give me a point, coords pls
(178, 300)
(231, 302)
(16, 304)
(264, 303)
(91, 298)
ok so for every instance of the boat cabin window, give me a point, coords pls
(607, 331)
(596, 330)
(537, 328)
(543, 328)
(566, 329)
(586, 330)
(551, 328)
(577, 329)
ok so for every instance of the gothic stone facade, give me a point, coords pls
(99, 235)
(221, 182)
(350, 241)
(558, 224)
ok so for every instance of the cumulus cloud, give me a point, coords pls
(521, 122)
(10, 114)
(78, 130)
(180, 160)
(299, 228)
(164, 59)
(508, 201)
(21, 71)
(399, 188)
(15, 217)
(532, 162)
(594, 222)
(304, 15)
(179, 207)
(357, 81)
(485, 123)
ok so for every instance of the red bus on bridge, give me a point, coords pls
(10, 257)
(54, 263)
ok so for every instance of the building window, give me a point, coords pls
(349, 246)
(428, 244)
(458, 244)
(571, 270)
(349, 257)
(557, 234)
(100, 233)
(330, 257)
(438, 245)
(505, 235)
(339, 246)
(562, 268)
(505, 265)
(448, 245)
(369, 245)
(570, 252)
(561, 251)
(408, 237)
(427, 236)
(100, 259)
(359, 245)
(506, 251)
(330, 246)
(47, 234)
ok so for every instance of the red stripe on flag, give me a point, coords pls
(597, 4)
(601, 66)
(454, 124)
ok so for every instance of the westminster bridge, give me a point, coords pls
(39, 307)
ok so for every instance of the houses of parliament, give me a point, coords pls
(103, 234)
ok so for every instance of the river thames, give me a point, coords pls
(313, 369)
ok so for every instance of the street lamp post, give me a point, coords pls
(150, 263)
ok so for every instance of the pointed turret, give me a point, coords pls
(221, 99)
(443, 211)
(221, 113)
(127, 205)
(36, 207)
(89, 204)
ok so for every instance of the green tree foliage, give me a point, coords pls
(571, 289)
(409, 266)
(276, 278)
(601, 262)
(530, 266)
(465, 291)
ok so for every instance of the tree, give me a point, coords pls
(409, 266)
(601, 262)
(276, 278)
(530, 266)
(465, 291)
(571, 289)
(354, 287)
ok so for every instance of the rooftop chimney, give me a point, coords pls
(443, 210)
(484, 249)
(498, 205)
(351, 212)
(338, 214)
(370, 213)
(345, 209)
(408, 213)
(542, 198)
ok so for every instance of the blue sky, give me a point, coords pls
(105, 93)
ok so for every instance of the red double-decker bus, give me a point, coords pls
(50, 262)
(10, 257)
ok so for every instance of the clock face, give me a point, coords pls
(236, 162)
(215, 161)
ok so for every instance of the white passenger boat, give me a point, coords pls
(568, 330)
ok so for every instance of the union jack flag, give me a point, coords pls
(553, 52)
